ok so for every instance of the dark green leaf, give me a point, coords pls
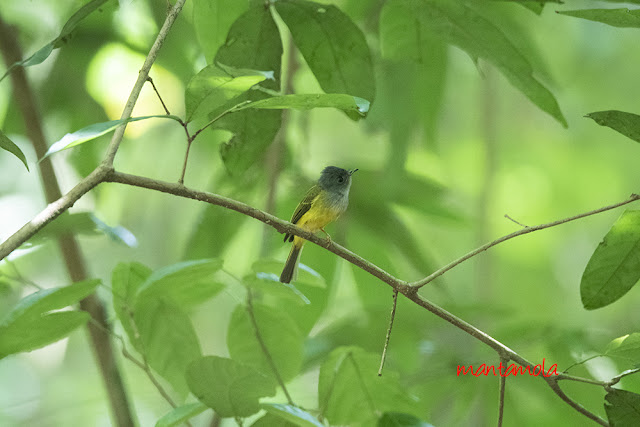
(614, 267)
(627, 124)
(397, 419)
(253, 43)
(186, 283)
(44, 52)
(627, 347)
(333, 46)
(126, 279)
(10, 146)
(350, 390)
(279, 333)
(212, 20)
(93, 131)
(270, 420)
(212, 88)
(457, 24)
(167, 339)
(35, 333)
(85, 223)
(228, 387)
(179, 415)
(623, 18)
(622, 407)
(292, 414)
(346, 103)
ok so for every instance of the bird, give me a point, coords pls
(323, 204)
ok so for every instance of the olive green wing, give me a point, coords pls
(303, 208)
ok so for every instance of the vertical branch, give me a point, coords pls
(386, 340)
(503, 383)
(71, 253)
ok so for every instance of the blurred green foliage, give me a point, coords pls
(449, 146)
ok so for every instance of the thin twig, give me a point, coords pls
(615, 380)
(264, 348)
(440, 272)
(503, 384)
(388, 337)
(516, 222)
(166, 110)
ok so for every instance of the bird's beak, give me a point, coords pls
(352, 172)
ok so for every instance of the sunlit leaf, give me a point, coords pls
(350, 390)
(627, 124)
(10, 146)
(627, 347)
(167, 339)
(346, 103)
(306, 275)
(614, 267)
(177, 416)
(279, 333)
(230, 388)
(292, 414)
(333, 46)
(397, 419)
(622, 407)
(44, 52)
(253, 43)
(186, 283)
(457, 24)
(84, 223)
(212, 88)
(623, 18)
(93, 131)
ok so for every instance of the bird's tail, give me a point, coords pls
(290, 271)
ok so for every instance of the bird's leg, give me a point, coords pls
(329, 241)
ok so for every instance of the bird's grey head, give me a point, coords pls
(336, 179)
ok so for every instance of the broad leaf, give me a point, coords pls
(253, 43)
(85, 223)
(614, 267)
(230, 388)
(627, 124)
(177, 416)
(333, 46)
(280, 334)
(44, 52)
(10, 146)
(622, 407)
(627, 347)
(347, 103)
(623, 18)
(292, 414)
(397, 419)
(167, 338)
(186, 283)
(457, 24)
(93, 131)
(212, 20)
(126, 279)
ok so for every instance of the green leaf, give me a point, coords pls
(627, 124)
(85, 223)
(44, 52)
(167, 339)
(292, 414)
(457, 24)
(212, 88)
(623, 18)
(350, 390)
(333, 46)
(627, 347)
(228, 387)
(269, 284)
(622, 407)
(306, 275)
(179, 415)
(614, 267)
(186, 283)
(270, 420)
(253, 43)
(280, 335)
(126, 279)
(347, 103)
(10, 146)
(32, 324)
(397, 419)
(95, 130)
(36, 333)
(212, 20)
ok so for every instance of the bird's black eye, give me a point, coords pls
(340, 180)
